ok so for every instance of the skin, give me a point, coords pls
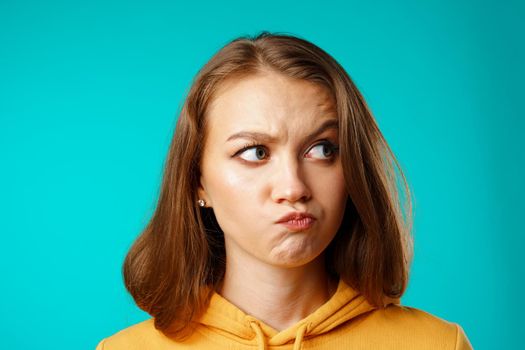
(251, 180)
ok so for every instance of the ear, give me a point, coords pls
(201, 192)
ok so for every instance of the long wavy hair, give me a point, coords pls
(179, 258)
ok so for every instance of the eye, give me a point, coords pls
(253, 153)
(323, 150)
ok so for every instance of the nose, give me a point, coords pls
(289, 184)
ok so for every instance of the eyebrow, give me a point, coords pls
(328, 124)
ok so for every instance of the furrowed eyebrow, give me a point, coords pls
(328, 124)
(252, 135)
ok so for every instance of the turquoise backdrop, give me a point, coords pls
(89, 94)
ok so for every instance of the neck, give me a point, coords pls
(280, 297)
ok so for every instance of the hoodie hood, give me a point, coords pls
(226, 319)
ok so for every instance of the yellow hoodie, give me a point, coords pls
(346, 321)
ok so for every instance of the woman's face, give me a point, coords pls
(272, 150)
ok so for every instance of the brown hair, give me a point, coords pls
(179, 258)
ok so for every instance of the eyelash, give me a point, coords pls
(247, 147)
(335, 149)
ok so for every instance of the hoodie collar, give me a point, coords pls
(225, 318)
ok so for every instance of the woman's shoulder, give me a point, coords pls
(138, 336)
(420, 325)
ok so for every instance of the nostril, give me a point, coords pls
(291, 192)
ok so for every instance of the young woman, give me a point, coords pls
(279, 223)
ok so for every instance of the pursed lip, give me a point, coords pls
(296, 215)
(297, 221)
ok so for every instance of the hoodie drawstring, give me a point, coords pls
(299, 337)
(261, 342)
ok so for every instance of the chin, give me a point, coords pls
(293, 258)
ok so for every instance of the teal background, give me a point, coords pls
(89, 94)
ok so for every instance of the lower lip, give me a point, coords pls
(298, 225)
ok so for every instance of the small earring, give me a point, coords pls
(201, 202)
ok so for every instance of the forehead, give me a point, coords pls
(270, 103)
